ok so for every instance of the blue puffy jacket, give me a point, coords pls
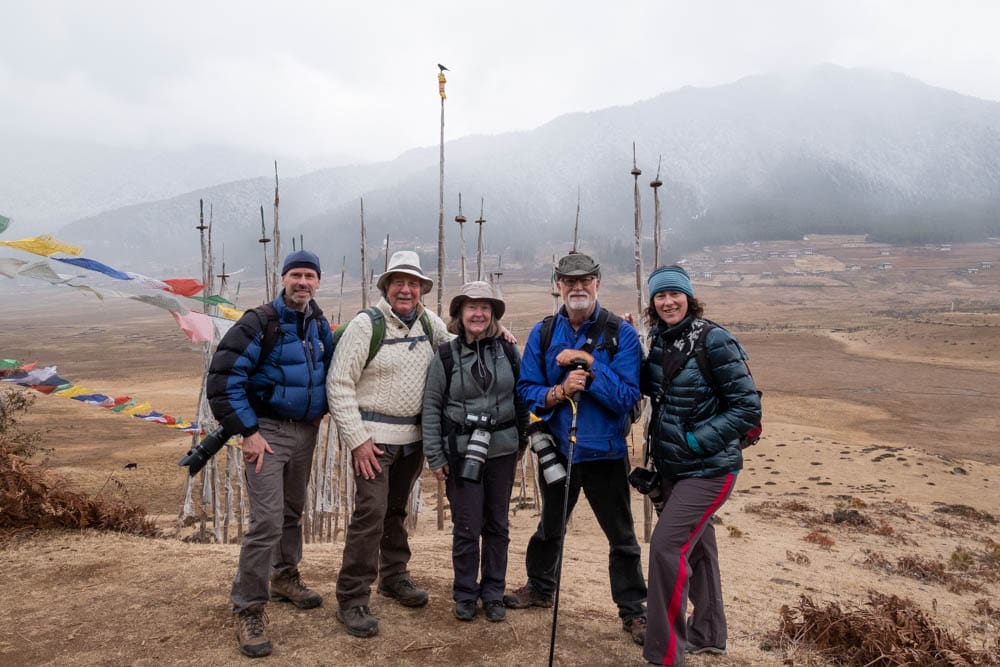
(289, 384)
(603, 409)
(688, 403)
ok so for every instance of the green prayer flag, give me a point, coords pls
(4, 222)
(213, 300)
(7, 364)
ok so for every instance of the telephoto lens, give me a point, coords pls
(475, 456)
(198, 456)
(548, 460)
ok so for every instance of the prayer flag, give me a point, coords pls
(184, 286)
(10, 266)
(4, 221)
(44, 245)
(197, 326)
(93, 265)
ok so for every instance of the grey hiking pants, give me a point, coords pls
(277, 494)
(377, 542)
(683, 561)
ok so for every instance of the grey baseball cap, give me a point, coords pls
(577, 264)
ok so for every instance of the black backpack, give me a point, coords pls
(607, 323)
(701, 356)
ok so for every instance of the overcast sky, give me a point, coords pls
(317, 79)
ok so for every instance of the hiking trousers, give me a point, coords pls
(683, 561)
(277, 494)
(479, 512)
(605, 484)
(377, 543)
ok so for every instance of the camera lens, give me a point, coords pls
(475, 456)
(548, 460)
(198, 456)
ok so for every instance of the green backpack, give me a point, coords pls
(378, 332)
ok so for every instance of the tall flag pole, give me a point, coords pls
(658, 213)
(636, 172)
(479, 246)
(364, 259)
(276, 236)
(576, 226)
(440, 281)
(460, 219)
(263, 240)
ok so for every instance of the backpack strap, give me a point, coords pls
(378, 332)
(267, 316)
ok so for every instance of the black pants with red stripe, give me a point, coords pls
(683, 562)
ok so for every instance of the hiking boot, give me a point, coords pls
(525, 597)
(403, 591)
(359, 621)
(251, 632)
(465, 610)
(704, 650)
(636, 626)
(494, 610)
(288, 587)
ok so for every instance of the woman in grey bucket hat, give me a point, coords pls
(474, 427)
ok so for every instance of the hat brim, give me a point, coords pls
(426, 284)
(455, 307)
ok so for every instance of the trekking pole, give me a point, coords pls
(562, 543)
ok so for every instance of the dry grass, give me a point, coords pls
(887, 631)
(31, 497)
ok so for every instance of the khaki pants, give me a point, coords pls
(377, 542)
(277, 494)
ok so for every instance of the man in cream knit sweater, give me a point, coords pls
(377, 407)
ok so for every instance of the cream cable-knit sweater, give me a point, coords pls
(392, 384)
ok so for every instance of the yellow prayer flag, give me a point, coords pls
(136, 409)
(43, 245)
(441, 82)
(73, 390)
(230, 313)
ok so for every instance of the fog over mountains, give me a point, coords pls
(824, 149)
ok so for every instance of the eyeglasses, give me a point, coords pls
(585, 281)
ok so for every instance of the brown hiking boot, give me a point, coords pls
(403, 591)
(525, 597)
(636, 626)
(287, 586)
(251, 632)
(359, 621)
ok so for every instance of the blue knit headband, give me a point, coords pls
(670, 278)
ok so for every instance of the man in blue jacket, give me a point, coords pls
(276, 404)
(604, 390)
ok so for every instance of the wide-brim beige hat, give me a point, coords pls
(408, 262)
(480, 290)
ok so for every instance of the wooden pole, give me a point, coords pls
(276, 235)
(479, 246)
(263, 240)
(440, 280)
(340, 303)
(386, 265)
(460, 219)
(576, 227)
(364, 259)
(657, 213)
(636, 172)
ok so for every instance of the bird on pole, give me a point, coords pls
(443, 68)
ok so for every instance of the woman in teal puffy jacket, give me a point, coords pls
(695, 438)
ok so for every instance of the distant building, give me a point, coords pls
(884, 266)
(985, 265)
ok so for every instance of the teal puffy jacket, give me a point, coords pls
(688, 403)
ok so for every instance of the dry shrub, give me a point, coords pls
(32, 497)
(968, 513)
(22, 442)
(797, 557)
(887, 631)
(734, 531)
(774, 508)
(920, 569)
(983, 607)
(851, 517)
(820, 539)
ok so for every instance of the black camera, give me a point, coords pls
(198, 456)
(479, 444)
(647, 482)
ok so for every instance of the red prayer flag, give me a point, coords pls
(184, 286)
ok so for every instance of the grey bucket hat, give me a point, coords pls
(408, 262)
(577, 264)
(478, 289)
